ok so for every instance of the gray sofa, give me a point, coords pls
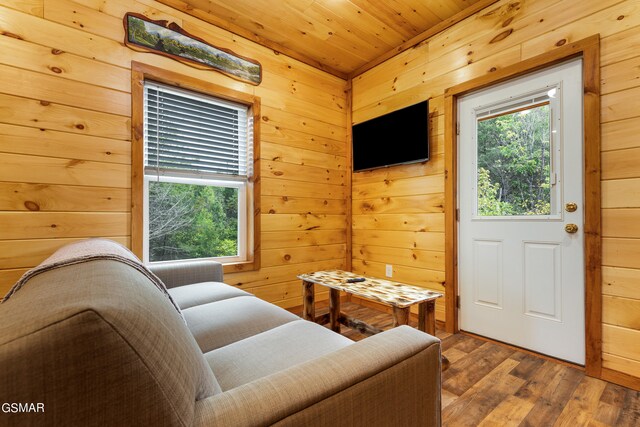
(98, 344)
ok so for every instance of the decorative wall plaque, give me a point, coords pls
(170, 40)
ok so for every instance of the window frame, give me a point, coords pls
(250, 259)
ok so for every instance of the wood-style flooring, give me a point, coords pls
(489, 384)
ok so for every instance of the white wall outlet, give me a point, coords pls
(389, 270)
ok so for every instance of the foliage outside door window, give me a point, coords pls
(514, 162)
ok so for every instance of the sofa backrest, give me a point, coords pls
(175, 274)
(98, 344)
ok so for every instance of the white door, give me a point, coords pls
(520, 272)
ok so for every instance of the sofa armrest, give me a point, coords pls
(392, 378)
(182, 273)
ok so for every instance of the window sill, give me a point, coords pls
(237, 267)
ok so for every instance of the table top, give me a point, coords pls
(384, 291)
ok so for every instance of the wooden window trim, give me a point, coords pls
(589, 50)
(140, 72)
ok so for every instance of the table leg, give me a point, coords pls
(400, 316)
(334, 309)
(427, 317)
(308, 301)
(427, 323)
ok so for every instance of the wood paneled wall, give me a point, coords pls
(398, 211)
(65, 143)
(65, 152)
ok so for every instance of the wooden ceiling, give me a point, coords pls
(340, 36)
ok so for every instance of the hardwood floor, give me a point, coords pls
(489, 384)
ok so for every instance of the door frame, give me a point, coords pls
(589, 50)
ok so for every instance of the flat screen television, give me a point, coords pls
(399, 137)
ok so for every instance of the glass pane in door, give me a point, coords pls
(514, 162)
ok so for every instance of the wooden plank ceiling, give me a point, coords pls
(339, 36)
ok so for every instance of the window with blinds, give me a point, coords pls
(194, 133)
(198, 158)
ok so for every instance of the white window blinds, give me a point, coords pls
(195, 134)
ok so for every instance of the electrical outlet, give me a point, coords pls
(389, 270)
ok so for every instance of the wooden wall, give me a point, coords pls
(65, 154)
(65, 143)
(398, 212)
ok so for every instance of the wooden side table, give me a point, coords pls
(397, 295)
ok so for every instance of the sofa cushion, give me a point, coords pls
(272, 351)
(188, 296)
(221, 323)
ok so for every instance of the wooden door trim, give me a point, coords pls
(589, 50)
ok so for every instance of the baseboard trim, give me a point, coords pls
(620, 378)
(320, 303)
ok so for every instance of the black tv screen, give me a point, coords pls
(396, 138)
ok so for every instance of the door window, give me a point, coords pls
(515, 161)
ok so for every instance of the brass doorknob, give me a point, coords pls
(571, 228)
(571, 207)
